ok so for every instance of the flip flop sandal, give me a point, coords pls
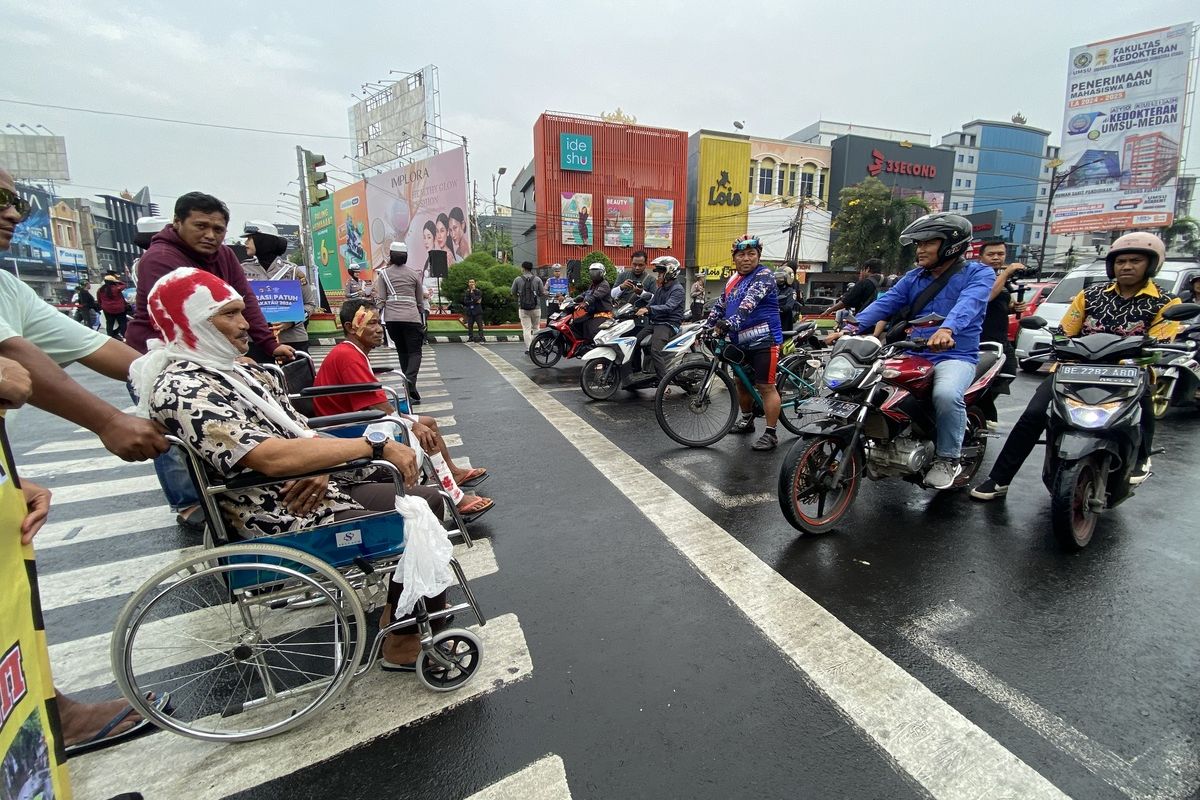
(105, 736)
(476, 476)
(476, 511)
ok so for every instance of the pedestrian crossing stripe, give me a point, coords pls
(544, 779)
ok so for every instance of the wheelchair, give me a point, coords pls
(251, 638)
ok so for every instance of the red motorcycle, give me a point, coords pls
(559, 339)
(875, 419)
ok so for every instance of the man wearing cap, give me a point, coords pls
(194, 239)
(265, 249)
(402, 290)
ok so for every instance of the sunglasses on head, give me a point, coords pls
(10, 199)
(746, 244)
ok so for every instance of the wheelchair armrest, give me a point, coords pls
(382, 370)
(354, 417)
(345, 388)
(251, 479)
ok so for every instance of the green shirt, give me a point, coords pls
(24, 314)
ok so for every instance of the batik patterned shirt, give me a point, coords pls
(1100, 308)
(202, 408)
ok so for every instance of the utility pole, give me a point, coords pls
(305, 233)
(1055, 182)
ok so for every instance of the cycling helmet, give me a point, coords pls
(954, 231)
(746, 242)
(668, 266)
(1147, 244)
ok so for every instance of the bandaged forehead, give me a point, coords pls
(362, 318)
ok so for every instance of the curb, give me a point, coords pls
(453, 338)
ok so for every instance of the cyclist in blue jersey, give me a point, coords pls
(748, 310)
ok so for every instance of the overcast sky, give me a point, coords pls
(291, 66)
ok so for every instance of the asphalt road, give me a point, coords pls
(660, 631)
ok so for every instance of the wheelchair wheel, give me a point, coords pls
(459, 654)
(223, 633)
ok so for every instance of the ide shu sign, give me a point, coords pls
(575, 152)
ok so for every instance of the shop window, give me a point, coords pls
(766, 177)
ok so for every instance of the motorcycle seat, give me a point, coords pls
(987, 358)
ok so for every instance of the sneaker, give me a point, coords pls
(942, 474)
(1140, 473)
(992, 425)
(767, 441)
(744, 424)
(989, 490)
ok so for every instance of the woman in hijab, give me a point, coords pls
(236, 417)
(265, 262)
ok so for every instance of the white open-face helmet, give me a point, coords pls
(595, 268)
(254, 226)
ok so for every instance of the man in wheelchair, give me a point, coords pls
(347, 365)
(236, 416)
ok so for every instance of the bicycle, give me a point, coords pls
(696, 402)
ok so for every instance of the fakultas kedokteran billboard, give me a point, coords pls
(1122, 129)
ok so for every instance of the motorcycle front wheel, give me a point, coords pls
(600, 378)
(1071, 492)
(810, 495)
(545, 350)
(694, 408)
(1160, 398)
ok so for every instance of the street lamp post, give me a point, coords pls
(495, 211)
(1055, 182)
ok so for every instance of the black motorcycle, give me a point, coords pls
(1094, 430)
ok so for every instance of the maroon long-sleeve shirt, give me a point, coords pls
(168, 252)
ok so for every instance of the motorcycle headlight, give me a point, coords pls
(840, 370)
(1086, 416)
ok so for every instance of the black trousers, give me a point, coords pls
(475, 320)
(586, 328)
(1032, 425)
(114, 324)
(407, 337)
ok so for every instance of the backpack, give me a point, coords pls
(528, 297)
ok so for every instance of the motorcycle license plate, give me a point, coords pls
(825, 405)
(1106, 374)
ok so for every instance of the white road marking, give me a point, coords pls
(74, 466)
(1170, 769)
(67, 446)
(925, 737)
(106, 490)
(721, 498)
(84, 663)
(376, 704)
(429, 409)
(62, 589)
(103, 526)
(445, 422)
(544, 779)
(452, 440)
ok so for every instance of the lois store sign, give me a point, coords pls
(575, 152)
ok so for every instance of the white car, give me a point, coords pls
(1174, 276)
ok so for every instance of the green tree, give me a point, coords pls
(1184, 232)
(869, 223)
(493, 239)
(499, 306)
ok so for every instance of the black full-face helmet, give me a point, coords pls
(954, 231)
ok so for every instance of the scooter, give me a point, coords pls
(1177, 375)
(558, 340)
(1094, 429)
(616, 361)
(875, 418)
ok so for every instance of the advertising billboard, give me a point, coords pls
(1122, 128)
(618, 222)
(718, 199)
(576, 218)
(910, 170)
(34, 158)
(325, 245)
(31, 254)
(660, 217)
(393, 120)
(350, 225)
(575, 152)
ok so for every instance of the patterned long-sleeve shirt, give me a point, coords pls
(750, 307)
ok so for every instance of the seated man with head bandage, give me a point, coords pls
(236, 417)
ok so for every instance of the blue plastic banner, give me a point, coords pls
(556, 286)
(280, 301)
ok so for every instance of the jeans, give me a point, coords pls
(173, 476)
(1032, 425)
(950, 381)
(530, 318)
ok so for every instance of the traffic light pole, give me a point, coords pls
(305, 233)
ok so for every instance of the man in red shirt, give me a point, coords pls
(347, 363)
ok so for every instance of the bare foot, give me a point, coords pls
(82, 721)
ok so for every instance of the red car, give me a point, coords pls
(1035, 293)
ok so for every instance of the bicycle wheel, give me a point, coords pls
(242, 664)
(796, 380)
(696, 405)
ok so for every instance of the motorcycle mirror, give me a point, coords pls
(1032, 323)
(1181, 311)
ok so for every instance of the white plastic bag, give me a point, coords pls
(424, 568)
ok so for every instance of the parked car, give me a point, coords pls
(1173, 276)
(1034, 294)
(816, 306)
